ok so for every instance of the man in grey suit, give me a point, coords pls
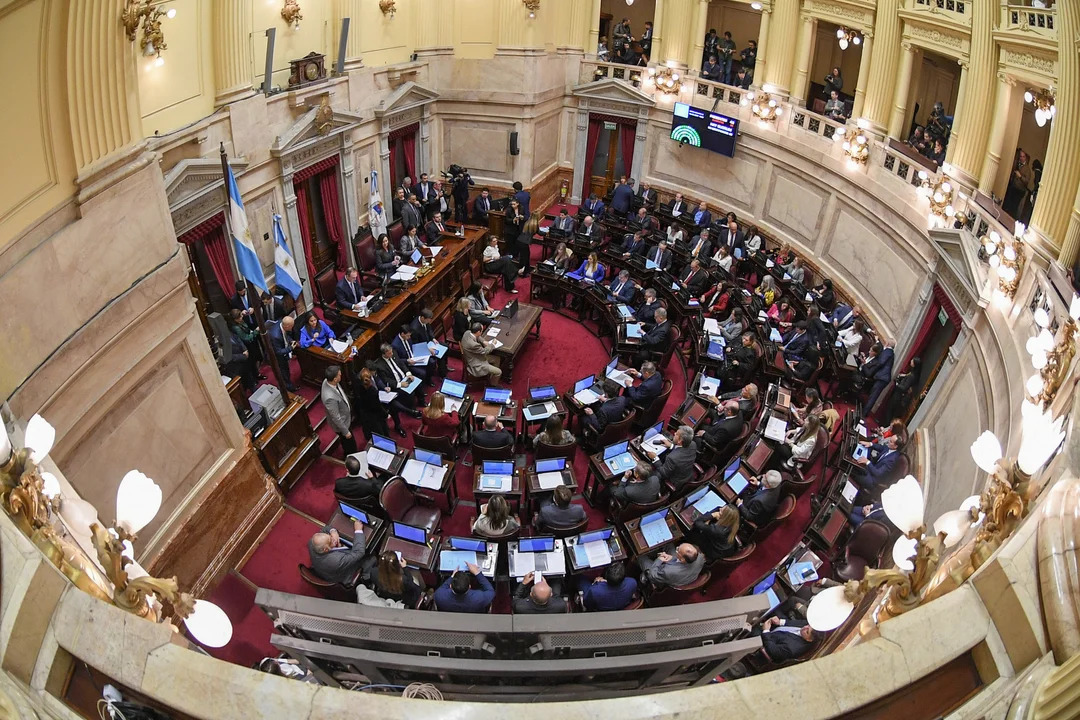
(682, 569)
(678, 465)
(331, 560)
(338, 409)
(560, 512)
(411, 214)
(476, 352)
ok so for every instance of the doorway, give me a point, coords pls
(210, 274)
(320, 214)
(609, 152)
(939, 330)
(402, 144)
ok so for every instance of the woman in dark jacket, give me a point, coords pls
(392, 582)
(904, 389)
(386, 260)
(715, 533)
(370, 411)
(461, 319)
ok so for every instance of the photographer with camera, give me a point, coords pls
(459, 180)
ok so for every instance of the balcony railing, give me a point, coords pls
(959, 7)
(1029, 19)
(596, 70)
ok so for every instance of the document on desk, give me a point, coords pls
(709, 386)
(656, 533)
(711, 327)
(496, 483)
(440, 349)
(776, 428)
(492, 332)
(419, 360)
(423, 474)
(650, 265)
(339, 346)
(824, 318)
(386, 396)
(435, 250)
(597, 553)
(633, 330)
(411, 386)
(861, 429)
(762, 316)
(453, 404)
(657, 447)
(408, 269)
(451, 560)
(775, 335)
(361, 457)
(787, 276)
(550, 480)
(809, 297)
(524, 563)
(496, 344)
(769, 263)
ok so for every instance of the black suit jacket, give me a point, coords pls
(677, 207)
(432, 231)
(612, 410)
(383, 371)
(782, 646)
(344, 294)
(481, 208)
(761, 507)
(724, 430)
(657, 338)
(663, 259)
(360, 489)
(421, 333)
(273, 311)
(492, 438)
(696, 284)
(238, 303)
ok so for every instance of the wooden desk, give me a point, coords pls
(801, 553)
(685, 512)
(615, 546)
(314, 360)
(599, 473)
(757, 454)
(424, 557)
(513, 332)
(237, 394)
(385, 322)
(515, 495)
(373, 529)
(486, 568)
(535, 493)
(632, 531)
(527, 425)
(448, 489)
(289, 446)
(506, 414)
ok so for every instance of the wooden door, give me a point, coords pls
(608, 163)
(323, 251)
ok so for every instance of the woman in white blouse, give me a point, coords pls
(722, 258)
(674, 234)
(800, 442)
(852, 336)
(752, 243)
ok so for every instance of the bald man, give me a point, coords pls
(333, 560)
(493, 434)
(536, 598)
(681, 569)
(281, 340)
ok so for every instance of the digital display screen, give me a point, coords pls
(704, 129)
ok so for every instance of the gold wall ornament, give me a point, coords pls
(388, 7)
(1008, 257)
(905, 587)
(855, 145)
(940, 193)
(133, 594)
(532, 6)
(324, 117)
(144, 13)
(666, 80)
(1058, 362)
(763, 105)
(291, 13)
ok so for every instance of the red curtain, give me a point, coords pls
(408, 148)
(305, 232)
(394, 179)
(595, 125)
(626, 139)
(940, 301)
(312, 170)
(212, 234)
(331, 206)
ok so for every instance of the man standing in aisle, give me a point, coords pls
(338, 409)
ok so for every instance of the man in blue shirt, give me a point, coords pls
(621, 198)
(702, 216)
(522, 196)
(457, 594)
(613, 591)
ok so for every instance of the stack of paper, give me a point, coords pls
(339, 346)
(709, 386)
(656, 533)
(423, 474)
(495, 483)
(711, 326)
(652, 445)
(769, 263)
(550, 480)
(493, 332)
(597, 553)
(776, 428)
(386, 397)
(775, 335)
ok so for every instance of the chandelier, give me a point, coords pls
(1043, 100)
(846, 37)
(940, 193)
(763, 105)
(532, 6)
(665, 79)
(855, 144)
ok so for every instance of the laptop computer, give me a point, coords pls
(654, 528)
(455, 394)
(583, 390)
(539, 547)
(426, 456)
(617, 458)
(409, 533)
(704, 501)
(353, 513)
(849, 492)
(415, 257)
(459, 543)
(738, 482)
(602, 535)
(542, 393)
(498, 396)
(625, 311)
(381, 452)
(650, 439)
(612, 372)
(732, 468)
(496, 475)
(551, 465)
(510, 310)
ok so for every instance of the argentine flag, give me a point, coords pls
(376, 211)
(287, 277)
(247, 260)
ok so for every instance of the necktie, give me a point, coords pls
(697, 248)
(688, 276)
(398, 375)
(352, 286)
(440, 226)
(270, 310)
(618, 288)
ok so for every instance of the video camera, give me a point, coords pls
(454, 172)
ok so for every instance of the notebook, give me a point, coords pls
(422, 474)
(776, 428)
(540, 412)
(709, 386)
(633, 330)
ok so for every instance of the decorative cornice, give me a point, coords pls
(1030, 61)
(936, 36)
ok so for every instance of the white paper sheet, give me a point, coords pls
(435, 250)
(386, 397)
(711, 326)
(524, 563)
(598, 553)
(339, 346)
(550, 480)
(776, 428)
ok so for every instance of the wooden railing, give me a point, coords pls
(1028, 19)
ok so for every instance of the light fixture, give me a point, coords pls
(629, 2)
(170, 13)
(209, 624)
(291, 13)
(829, 609)
(846, 37)
(666, 80)
(138, 500)
(756, 5)
(986, 451)
(763, 105)
(39, 437)
(532, 6)
(388, 7)
(1043, 100)
(903, 504)
(855, 144)
(5, 444)
(144, 13)
(1051, 356)
(1007, 257)
(939, 191)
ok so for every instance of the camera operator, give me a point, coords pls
(459, 180)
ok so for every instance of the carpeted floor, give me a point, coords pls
(566, 351)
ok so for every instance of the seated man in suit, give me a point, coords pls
(559, 512)
(639, 220)
(678, 465)
(702, 216)
(281, 340)
(660, 255)
(646, 194)
(633, 244)
(434, 229)
(357, 488)
(646, 314)
(761, 507)
(492, 435)
(677, 206)
(870, 511)
(741, 361)
(457, 594)
(700, 245)
(622, 288)
(694, 279)
(589, 229)
(796, 341)
(638, 486)
(666, 570)
(334, 562)
(594, 206)
(785, 639)
(423, 331)
(726, 429)
(392, 375)
(745, 399)
(481, 207)
(535, 598)
(564, 224)
(657, 338)
(349, 293)
(610, 592)
(875, 475)
(621, 198)
(421, 367)
(613, 407)
(843, 316)
(651, 385)
(476, 352)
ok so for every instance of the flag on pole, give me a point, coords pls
(376, 211)
(247, 260)
(287, 277)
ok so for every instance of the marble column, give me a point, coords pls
(864, 74)
(698, 28)
(803, 48)
(658, 25)
(578, 34)
(879, 87)
(782, 39)
(232, 51)
(995, 145)
(1061, 175)
(762, 64)
(1070, 248)
(593, 40)
(1059, 692)
(1059, 585)
(677, 45)
(967, 148)
(898, 118)
(966, 177)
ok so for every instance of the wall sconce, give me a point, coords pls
(153, 39)
(763, 105)
(1043, 100)
(1052, 358)
(533, 6)
(1008, 258)
(291, 14)
(30, 497)
(665, 79)
(940, 192)
(388, 7)
(855, 144)
(847, 37)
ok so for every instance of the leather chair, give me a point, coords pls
(617, 430)
(501, 537)
(648, 416)
(394, 231)
(330, 590)
(663, 358)
(441, 445)
(568, 451)
(863, 550)
(364, 248)
(744, 552)
(636, 510)
(558, 531)
(670, 593)
(400, 503)
(479, 454)
(371, 504)
(784, 509)
(325, 287)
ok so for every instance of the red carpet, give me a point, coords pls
(251, 627)
(273, 564)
